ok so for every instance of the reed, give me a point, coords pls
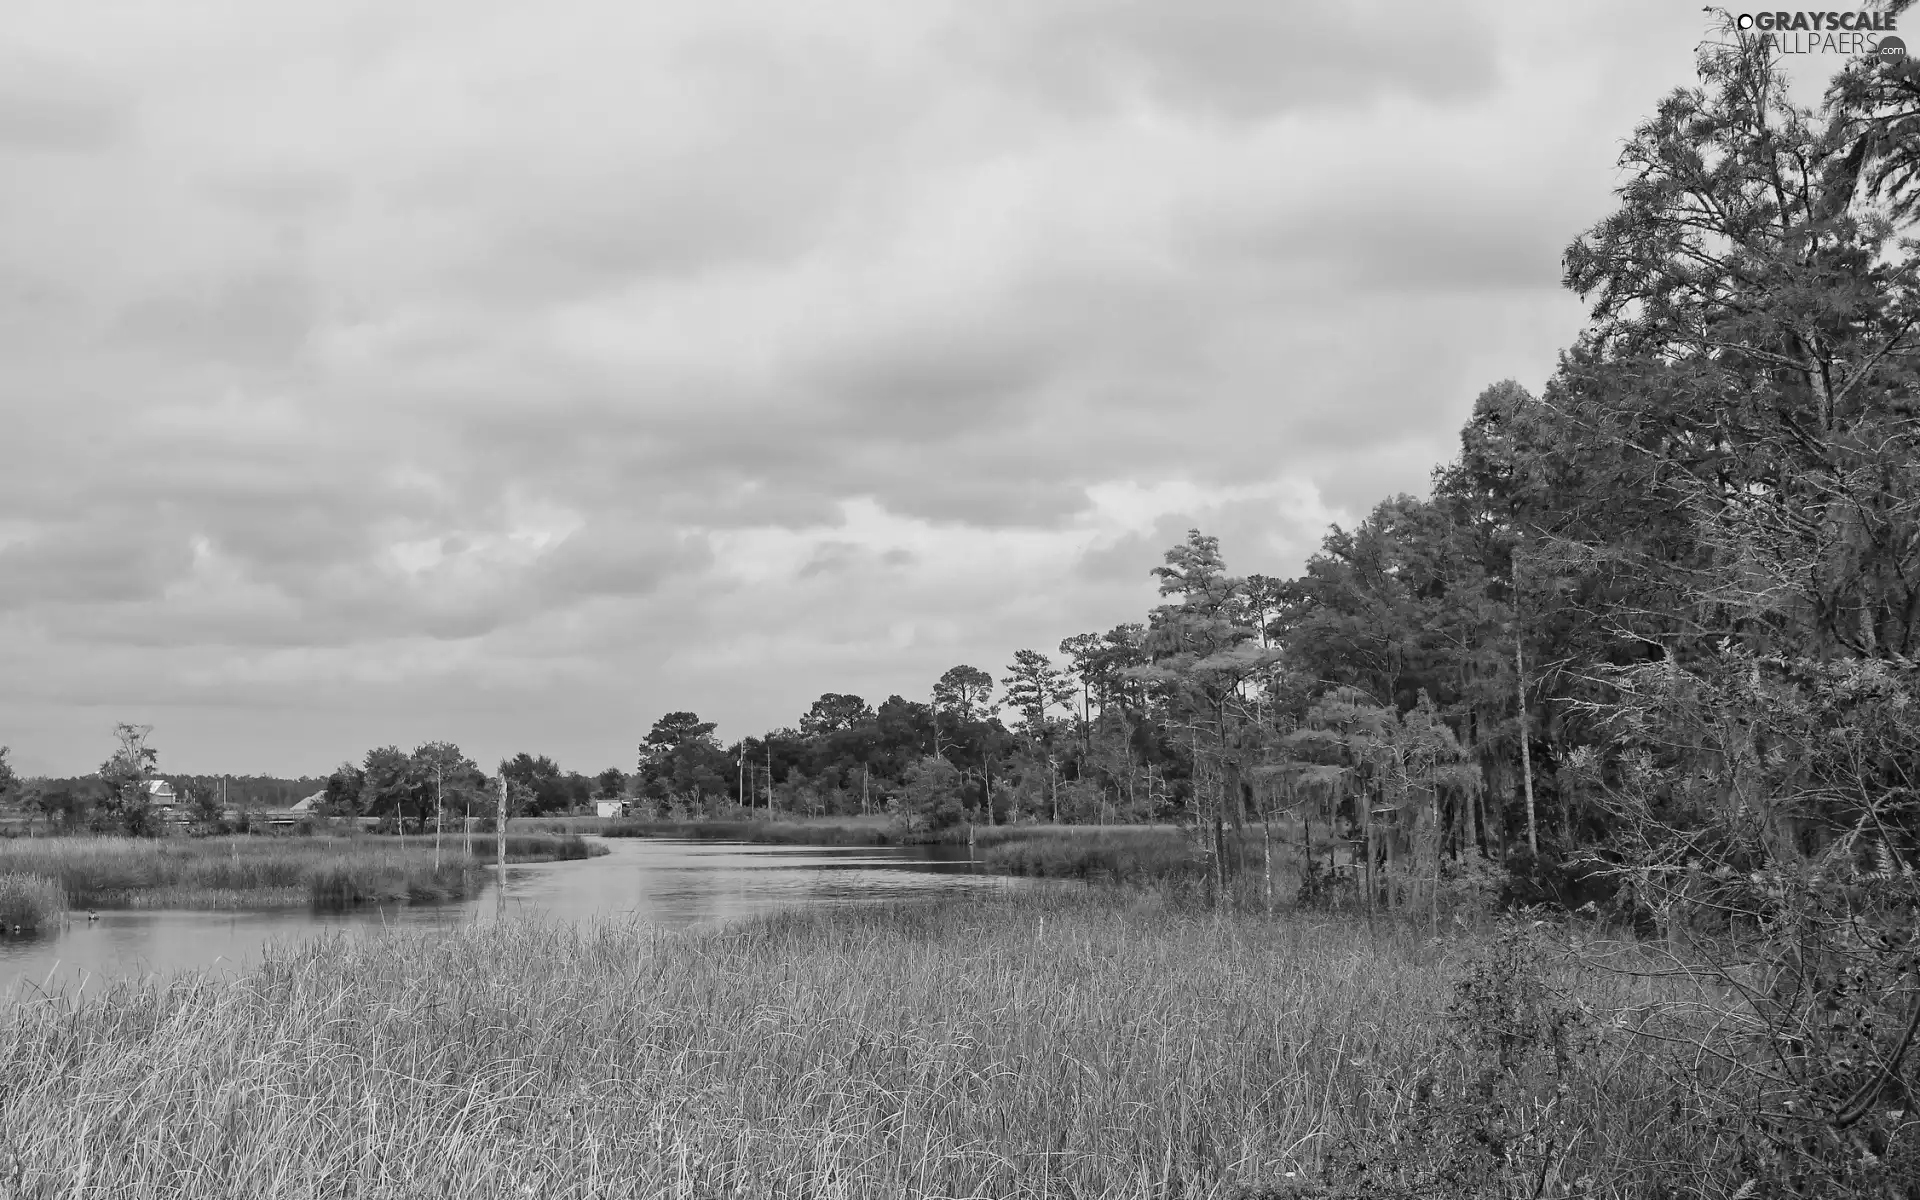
(851, 831)
(533, 847)
(30, 903)
(254, 872)
(1057, 1044)
(1116, 856)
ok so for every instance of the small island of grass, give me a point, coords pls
(243, 871)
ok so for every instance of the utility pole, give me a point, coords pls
(934, 698)
(742, 773)
(439, 818)
(863, 788)
(769, 777)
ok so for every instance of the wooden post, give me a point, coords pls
(500, 840)
(439, 818)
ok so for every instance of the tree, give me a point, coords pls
(964, 692)
(345, 790)
(610, 784)
(445, 780)
(1875, 109)
(388, 783)
(680, 758)
(9, 782)
(542, 780)
(1034, 686)
(128, 805)
(931, 798)
(835, 712)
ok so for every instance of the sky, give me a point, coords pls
(375, 373)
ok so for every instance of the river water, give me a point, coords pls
(665, 882)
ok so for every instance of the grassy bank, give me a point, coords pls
(860, 831)
(1120, 855)
(30, 903)
(252, 872)
(1043, 1045)
(832, 831)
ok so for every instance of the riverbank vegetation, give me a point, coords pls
(1046, 1044)
(254, 872)
(30, 903)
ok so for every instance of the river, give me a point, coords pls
(666, 882)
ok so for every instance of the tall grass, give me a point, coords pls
(30, 902)
(1117, 855)
(529, 847)
(1039, 1045)
(232, 872)
(848, 831)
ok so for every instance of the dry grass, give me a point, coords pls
(1039, 1045)
(1042, 1046)
(30, 902)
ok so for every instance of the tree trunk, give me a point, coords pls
(1526, 752)
(1266, 857)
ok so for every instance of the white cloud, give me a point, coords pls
(516, 373)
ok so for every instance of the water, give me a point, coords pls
(671, 883)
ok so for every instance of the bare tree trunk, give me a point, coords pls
(1526, 752)
(500, 839)
(1266, 856)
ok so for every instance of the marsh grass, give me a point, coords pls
(1061, 1044)
(29, 902)
(525, 847)
(256, 872)
(845, 831)
(1120, 855)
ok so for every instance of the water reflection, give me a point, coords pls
(675, 884)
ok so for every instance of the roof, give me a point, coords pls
(310, 803)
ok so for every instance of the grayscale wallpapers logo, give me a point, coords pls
(1864, 33)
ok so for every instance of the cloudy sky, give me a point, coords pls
(513, 374)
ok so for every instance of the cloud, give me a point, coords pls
(516, 374)
(51, 105)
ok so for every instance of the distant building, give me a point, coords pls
(164, 802)
(612, 808)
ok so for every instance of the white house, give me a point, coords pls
(612, 808)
